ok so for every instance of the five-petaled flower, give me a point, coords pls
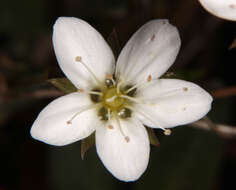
(117, 100)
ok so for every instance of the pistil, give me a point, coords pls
(126, 138)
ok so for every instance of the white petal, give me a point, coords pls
(74, 37)
(221, 8)
(172, 102)
(125, 160)
(51, 125)
(150, 51)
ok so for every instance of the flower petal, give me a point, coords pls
(125, 160)
(51, 125)
(172, 102)
(74, 37)
(221, 8)
(150, 51)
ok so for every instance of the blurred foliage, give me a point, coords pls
(188, 159)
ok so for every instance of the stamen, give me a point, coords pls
(149, 78)
(109, 119)
(79, 59)
(136, 100)
(127, 139)
(95, 93)
(90, 92)
(109, 114)
(118, 86)
(81, 111)
(167, 132)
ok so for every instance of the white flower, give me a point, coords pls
(221, 8)
(117, 100)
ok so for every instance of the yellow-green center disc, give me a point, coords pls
(112, 99)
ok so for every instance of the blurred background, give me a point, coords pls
(190, 158)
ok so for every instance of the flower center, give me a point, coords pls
(112, 99)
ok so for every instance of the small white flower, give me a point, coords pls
(117, 100)
(221, 8)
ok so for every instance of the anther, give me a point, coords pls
(232, 6)
(185, 89)
(109, 80)
(109, 76)
(153, 37)
(167, 132)
(80, 91)
(69, 122)
(78, 58)
(127, 139)
(149, 78)
(110, 127)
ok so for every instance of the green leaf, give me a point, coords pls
(86, 144)
(63, 84)
(152, 137)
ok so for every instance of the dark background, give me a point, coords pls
(188, 159)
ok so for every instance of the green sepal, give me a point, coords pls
(86, 144)
(63, 84)
(152, 137)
